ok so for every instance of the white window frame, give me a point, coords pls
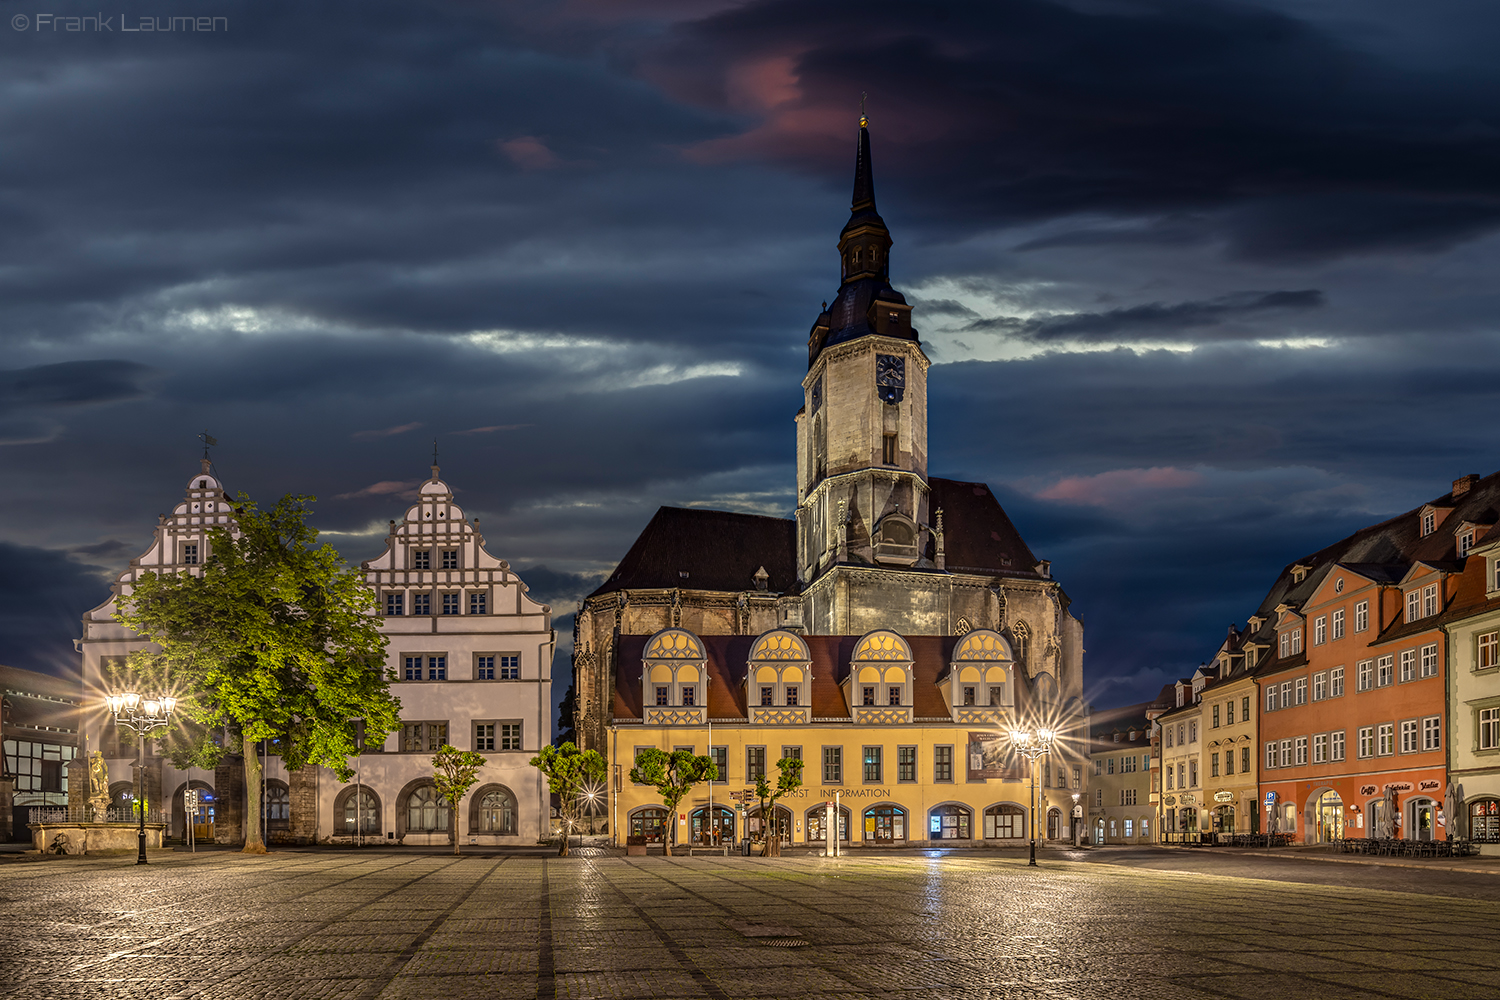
(1432, 733)
(1271, 754)
(1320, 686)
(1338, 624)
(1320, 630)
(1301, 751)
(1336, 745)
(1429, 600)
(1384, 670)
(1487, 650)
(1364, 675)
(1385, 739)
(1285, 754)
(1366, 746)
(1336, 682)
(1361, 616)
(1488, 727)
(1408, 665)
(1413, 604)
(1320, 748)
(1410, 735)
(1428, 658)
(1301, 691)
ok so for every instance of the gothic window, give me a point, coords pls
(1020, 644)
(276, 806)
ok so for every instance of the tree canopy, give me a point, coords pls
(454, 772)
(788, 779)
(271, 638)
(571, 773)
(673, 775)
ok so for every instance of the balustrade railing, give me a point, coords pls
(88, 814)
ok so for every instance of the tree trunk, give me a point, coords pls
(453, 826)
(563, 850)
(254, 842)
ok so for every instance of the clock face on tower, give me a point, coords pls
(890, 377)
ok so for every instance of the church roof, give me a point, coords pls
(721, 550)
(708, 550)
(978, 536)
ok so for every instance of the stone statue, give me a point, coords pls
(98, 784)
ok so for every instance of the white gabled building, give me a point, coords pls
(473, 658)
(180, 544)
(472, 654)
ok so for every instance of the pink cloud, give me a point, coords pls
(1107, 487)
(387, 432)
(528, 152)
(493, 429)
(406, 490)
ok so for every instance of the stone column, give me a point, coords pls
(303, 788)
(229, 801)
(78, 786)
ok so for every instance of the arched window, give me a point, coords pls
(121, 796)
(492, 810)
(426, 812)
(714, 829)
(817, 822)
(1004, 822)
(276, 806)
(782, 818)
(1484, 821)
(1020, 642)
(949, 823)
(356, 810)
(649, 823)
(885, 824)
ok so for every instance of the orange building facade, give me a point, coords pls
(1351, 687)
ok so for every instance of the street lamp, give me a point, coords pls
(142, 716)
(1033, 744)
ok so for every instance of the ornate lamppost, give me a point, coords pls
(142, 716)
(1033, 744)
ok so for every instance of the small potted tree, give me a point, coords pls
(672, 775)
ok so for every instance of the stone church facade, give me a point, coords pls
(876, 541)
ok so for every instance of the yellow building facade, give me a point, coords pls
(908, 734)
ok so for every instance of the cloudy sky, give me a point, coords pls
(1206, 285)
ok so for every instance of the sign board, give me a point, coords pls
(1223, 796)
(1270, 800)
(1429, 785)
(1400, 786)
(990, 755)
(190, 799)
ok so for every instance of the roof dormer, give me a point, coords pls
(1300, 571)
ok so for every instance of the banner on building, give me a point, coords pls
(991, 756)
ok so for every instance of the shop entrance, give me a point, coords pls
(713, 830)
(1424, 819)
(1330, 817)
(1223, 819)
(885, 824)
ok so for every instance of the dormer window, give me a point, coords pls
(792, 698)
(1429, 522)
(663, 695)
(1465, 542)
(867, 695)
(767, 695)
(969, 695)
(894, 695)
(1299, 573)
(203, 484)
(689, 694)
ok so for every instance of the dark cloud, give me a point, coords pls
(1195, 321)
(43, 594)
(1312, 142)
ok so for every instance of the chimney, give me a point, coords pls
(1464, 484)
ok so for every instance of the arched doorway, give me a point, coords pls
(949, 822)
(1222, 819)
(781, 822)
(650, 823)
(1099, 830)
(276, 811)
(1328, 817)
(817, 821)
(713, 829)
(1054, 824)
(203, 815)
(885, 825)
(1423, 819)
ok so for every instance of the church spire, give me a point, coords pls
(864, 181)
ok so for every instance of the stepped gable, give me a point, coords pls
(717, 549)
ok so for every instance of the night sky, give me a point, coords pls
(1206, 285)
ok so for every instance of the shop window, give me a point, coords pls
(948, 823)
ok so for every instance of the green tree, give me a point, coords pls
(788, 779)
(568, 771)
(274, 639)
(454, 772)
(672, 775)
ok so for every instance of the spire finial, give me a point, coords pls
(208, 441)
(863, 121)
(434, 459)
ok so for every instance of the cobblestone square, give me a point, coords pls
(380, 926)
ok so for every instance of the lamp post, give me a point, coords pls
(142, 716)
(1033, 744)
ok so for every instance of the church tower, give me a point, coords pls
(862, 490)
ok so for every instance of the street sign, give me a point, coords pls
(190, 799)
